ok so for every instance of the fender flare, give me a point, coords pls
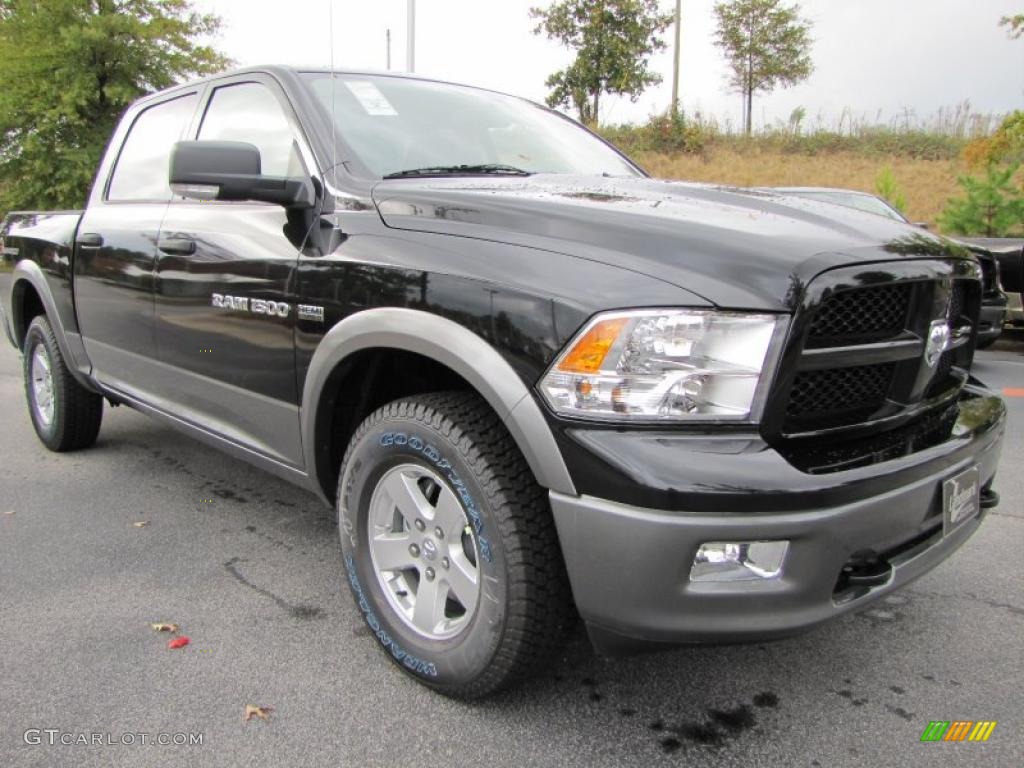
(71, 347)
(454, 346)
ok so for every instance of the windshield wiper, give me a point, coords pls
(487, 169)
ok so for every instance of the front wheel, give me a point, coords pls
(66, 415)
(449, 545)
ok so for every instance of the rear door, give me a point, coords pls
(116, 245)
(225, 298)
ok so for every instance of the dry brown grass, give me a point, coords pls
(927, 184)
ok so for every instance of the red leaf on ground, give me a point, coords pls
(178, 642)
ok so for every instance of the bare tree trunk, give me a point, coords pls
(593, 116)
(750, 88)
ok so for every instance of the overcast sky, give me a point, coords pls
(870, 55)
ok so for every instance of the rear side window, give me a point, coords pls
(249, 112)
(142, 167)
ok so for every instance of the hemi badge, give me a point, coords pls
(311, 312)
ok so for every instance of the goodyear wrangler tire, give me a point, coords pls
(449, 546)
(66, 416)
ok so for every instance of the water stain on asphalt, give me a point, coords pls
(848, 695)
(900, 712)
(739, 718)
(300, 611)
(266, 537)
(670, 745)
(229, 495)
(715, 729)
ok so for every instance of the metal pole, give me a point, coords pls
(675, 62)
(387, 38)
(410, 50)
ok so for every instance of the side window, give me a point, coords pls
(249, 112)
(142, 167)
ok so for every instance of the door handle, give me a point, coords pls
(178, 245)
(89, 240)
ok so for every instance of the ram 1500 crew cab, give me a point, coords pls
(533, 381)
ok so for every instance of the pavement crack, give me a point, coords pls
(295, 611)
(972, 598)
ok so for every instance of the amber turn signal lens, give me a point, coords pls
(589, 352)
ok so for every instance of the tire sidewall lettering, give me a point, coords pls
(440, 662)
(38, 339)
(433, 456)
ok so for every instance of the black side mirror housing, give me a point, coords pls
(230, 170)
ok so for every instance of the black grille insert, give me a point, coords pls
(837, 396)
(861, 316)
(822, 458)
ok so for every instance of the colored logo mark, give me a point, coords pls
(958, 730)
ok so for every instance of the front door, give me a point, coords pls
(225, 297)
(116, 249)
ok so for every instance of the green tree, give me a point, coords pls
(991, 207)
(68, 69)
(1014, 25)
(887, 189)
(766, 44)
(612, 39)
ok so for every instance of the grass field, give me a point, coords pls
(926, 183)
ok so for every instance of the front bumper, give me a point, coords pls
(629, 566)
(991, 319)
(1015, 309)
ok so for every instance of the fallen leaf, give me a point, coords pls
(162, 627)
(178, 642)
(140, 524)
(251, 711)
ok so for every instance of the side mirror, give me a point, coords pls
(230, 170)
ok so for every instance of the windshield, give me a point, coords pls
(866, 203)
(396, 124)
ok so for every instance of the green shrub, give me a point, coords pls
(663, 133)
(992, 206)
(889, 190)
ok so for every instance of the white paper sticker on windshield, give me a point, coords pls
(370, 97)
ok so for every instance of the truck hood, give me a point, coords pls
(736, 248)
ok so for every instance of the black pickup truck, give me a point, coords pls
(533, 381)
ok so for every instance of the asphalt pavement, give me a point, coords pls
(249, 567)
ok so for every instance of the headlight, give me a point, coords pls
(662, 365)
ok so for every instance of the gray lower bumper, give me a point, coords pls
(1015, 309)
(629, 567)
(990, 322)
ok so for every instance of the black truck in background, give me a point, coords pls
(534, 382)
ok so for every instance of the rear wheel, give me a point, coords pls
(66, 416)
(449, 545)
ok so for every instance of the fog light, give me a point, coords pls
(738, 560)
